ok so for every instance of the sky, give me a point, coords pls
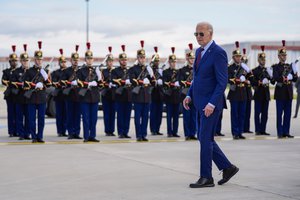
(162, 23)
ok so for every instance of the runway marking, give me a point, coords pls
(134, 141)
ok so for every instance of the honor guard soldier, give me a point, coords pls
(185, 78)
(88, 81)
(140, 76)
(59, 97)
(172, 95)
(107, 96)
(237, 95)
(8, 95)
(284, 74)
(262, 76)
(70, 85)
(120, 77)
(244, 60)
(36, 80)
(156, 106)
(21, 102)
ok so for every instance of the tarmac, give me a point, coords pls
(161, 169)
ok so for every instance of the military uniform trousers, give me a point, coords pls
(247, 116)
(41, 111)
(219, 123)
(261, 115)
(210, 151)
(89, 118)
(123, 117)
(61, 116)
(283, 111)
(73, 118)
(156, 110)
(109, 114)
(141, 115)
(237, 113)
(11, 118)
(22, 122)
(172, 118)
(189, 121)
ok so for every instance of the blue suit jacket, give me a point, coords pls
(210, 78)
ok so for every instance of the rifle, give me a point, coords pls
(286, 71)
(187, 83)
(142, 75)
(238, 73)
(168, 90)
(90, 77)
(67, 90)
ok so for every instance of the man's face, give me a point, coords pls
(63, 64)
(89, 61)
(262, 61)
(13, 63)
(25, 63)
(172, 64)
(190, 61)
(38, 62)
(237, 59)
(282, 58)
(204, 36)
(155, 64)
(109, 63)
(123, 63)
(74, 63)
(141, 60)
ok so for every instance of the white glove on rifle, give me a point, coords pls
(74, 83)
(150, 71)
(159, 82)
(245, 67)
(294, 67)
(265, 81)
(93, 83)
(39, 85)
(242, 78)
(290, 77)
(177, 84)
(127, 82)
(44, 74)
(111, 85)
(270, 71)
(99, 75)
(146, 81)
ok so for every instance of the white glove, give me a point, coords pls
(74, 83)
(111, 85)
(39, 85)
(290, 77)
(245, 67)
(44, 74)
(93, 83)
(265, 81)
(160, 71)
(146, 81)
(150, 71)
(177, 84)
(99, 75)
(127, 82)
(270, 71)
(242, 78)
(294, 67)
(159, 82)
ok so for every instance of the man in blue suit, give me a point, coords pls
(207, 95)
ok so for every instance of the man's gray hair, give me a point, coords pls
(208, 25)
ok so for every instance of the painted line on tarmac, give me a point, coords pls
(134, 141)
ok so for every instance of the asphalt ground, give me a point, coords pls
(159, 169)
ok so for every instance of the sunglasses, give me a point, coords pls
(200, 34)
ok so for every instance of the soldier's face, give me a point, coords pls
(282, 58)
(172, 64)
(109, 63)
(38, 62)
(237, 59)
(123, 63)
(262, 61)
(89, 61)
(141, 60)
(190, 60)
(13, 63)
(204, 35)
(63, 64)
(155, 64)
(74, 63)
(25, 63)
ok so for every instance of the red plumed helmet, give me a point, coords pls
(173, 49)
(262, 48)
(237, 44)
(283, 43)
(88, 45)
(25, 47)
(191, 46)
(142, 43)
(76, 48)
(155, 49)
(61, 51)
(40, 45)
(109, 49)
(244, 51)
(13, 48)
(123, 47)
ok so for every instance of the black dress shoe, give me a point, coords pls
(288, 136)
(242, 137)
(21, 138)
(77, 137)
(153, 133)
(203, 182)
(40, 141)
(70, 137)
(145, 140)
(264, 133)
(248, 131)
(188, 138)
(85, 140)
(228, 174)
(94, 140)
(219, 134)
(127, 136)
(139, 140)
(34, 141)
(193, 138)
(236, 137)
(62, 135)
(170, 135)
(258, 133)
(158, 133)
(121, 136)
(175, 135)
(27, 138)
(280, 137)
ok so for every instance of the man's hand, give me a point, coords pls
(187, 100)
(208, 110)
